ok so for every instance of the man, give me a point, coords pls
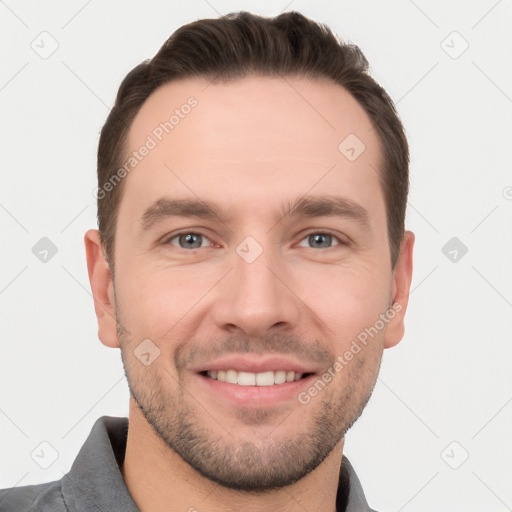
(251, 264)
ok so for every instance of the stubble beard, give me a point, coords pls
(260, 464)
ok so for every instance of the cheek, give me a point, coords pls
(347, 298)
(155, 300)
(159, 301)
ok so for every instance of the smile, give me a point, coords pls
(268, 378)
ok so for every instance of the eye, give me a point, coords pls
(322, 240)
(189, 240)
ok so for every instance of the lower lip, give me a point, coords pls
(257, 396)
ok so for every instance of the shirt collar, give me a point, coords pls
(95, 481)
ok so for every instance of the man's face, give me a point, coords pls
(253, 289)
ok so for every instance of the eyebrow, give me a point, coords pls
(305, 207)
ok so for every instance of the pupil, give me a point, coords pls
(190, 240)
(319, 237)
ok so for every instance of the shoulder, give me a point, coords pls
(33, 498)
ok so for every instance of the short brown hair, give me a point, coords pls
(240, 44)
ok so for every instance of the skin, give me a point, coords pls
(248, 146)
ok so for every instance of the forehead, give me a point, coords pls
(251, 141)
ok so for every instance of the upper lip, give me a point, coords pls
(252, 364)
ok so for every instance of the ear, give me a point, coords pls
(102, 289)
(402, 276)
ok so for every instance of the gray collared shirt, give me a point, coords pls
(95, 482)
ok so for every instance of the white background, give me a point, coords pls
(448, 380)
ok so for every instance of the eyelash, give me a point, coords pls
(341, 242)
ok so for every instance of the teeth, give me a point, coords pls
(265, 379)
(254, 379)
(280, 377)
(232, 376)
(246, 379)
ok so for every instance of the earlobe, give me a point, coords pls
(102, 288)
(400, 289)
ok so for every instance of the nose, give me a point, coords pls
(256, 297)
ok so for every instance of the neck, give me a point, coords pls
(159, 480)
